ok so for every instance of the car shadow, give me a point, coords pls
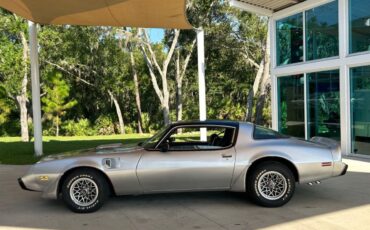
(199, 210)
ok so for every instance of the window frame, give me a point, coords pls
(303, 40)
(302, 9)
(349, 32)
(305, 12)
(343, 62)
(304, 104)
(233, 142)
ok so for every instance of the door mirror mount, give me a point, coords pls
(164, 147)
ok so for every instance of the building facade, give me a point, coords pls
(320, 52)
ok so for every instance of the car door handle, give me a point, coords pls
(225, 155)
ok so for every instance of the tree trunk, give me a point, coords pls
(57, 127)
(153, 66)
(22, 98)
(22, 101)
(253, 92)
(266, 82)
(119, 112)
(137, 94)
(180, 73)
(166, 114)
(178, 89)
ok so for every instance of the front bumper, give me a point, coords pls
(23, 186)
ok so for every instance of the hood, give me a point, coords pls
(100, 150)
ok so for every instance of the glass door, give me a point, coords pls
(360, 110)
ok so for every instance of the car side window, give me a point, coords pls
(200, 138)
(264, 133)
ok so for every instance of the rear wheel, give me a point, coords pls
(85, 191)
(271, 184)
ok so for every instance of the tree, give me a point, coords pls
(55, 104)
(14, 64)
(5, 107)
(265, 84)
(181, 67)
(132, 38)
(152, 62)
(255, 49)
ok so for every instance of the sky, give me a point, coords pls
(156, 35)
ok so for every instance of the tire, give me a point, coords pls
(271, 184)
(92, 187)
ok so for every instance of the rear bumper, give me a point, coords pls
(344, 171)
(23, 186)
(339, 168)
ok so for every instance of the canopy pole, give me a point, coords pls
(201, 82)
(35, 82)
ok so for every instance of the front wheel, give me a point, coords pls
(84, 191)
(271, 184)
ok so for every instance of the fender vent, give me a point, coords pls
(110, 163)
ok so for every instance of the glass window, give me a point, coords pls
(289, 44)
(323, 105)
(291, 105)
(322, 31)
(360, 110)
(189, 138)
(153, 141)
(359, 17)
(265, 133)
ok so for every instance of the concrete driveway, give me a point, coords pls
(339, 203)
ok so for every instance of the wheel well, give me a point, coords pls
(283, 161)
(68, 172)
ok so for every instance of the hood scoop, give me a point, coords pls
(116, 148)
(109, 146)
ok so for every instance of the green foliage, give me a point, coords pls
(80, 128)
(104, 125)
(11, 52)
(55, 104)
(130, 129)
(5, 107)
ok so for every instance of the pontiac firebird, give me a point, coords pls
(189, 156)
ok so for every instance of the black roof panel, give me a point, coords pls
(207, 122)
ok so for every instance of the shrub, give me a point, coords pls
(80, 128)
(104, 125)
(130, 129)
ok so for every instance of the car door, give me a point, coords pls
(188, 167)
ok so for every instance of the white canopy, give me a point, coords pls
(133, 13)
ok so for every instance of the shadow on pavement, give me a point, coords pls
(208, 210)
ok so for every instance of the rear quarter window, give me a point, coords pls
(265, 133)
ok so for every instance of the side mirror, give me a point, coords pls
(164, 147)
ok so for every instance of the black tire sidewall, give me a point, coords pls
(259, 171)
(90, 174)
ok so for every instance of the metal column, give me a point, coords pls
(35, 82)
(201, 82)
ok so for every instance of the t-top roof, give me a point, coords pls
(133, 13)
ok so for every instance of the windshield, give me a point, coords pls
(151, 142)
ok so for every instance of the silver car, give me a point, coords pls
(189, 156)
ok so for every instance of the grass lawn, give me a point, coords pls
(13, 151)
